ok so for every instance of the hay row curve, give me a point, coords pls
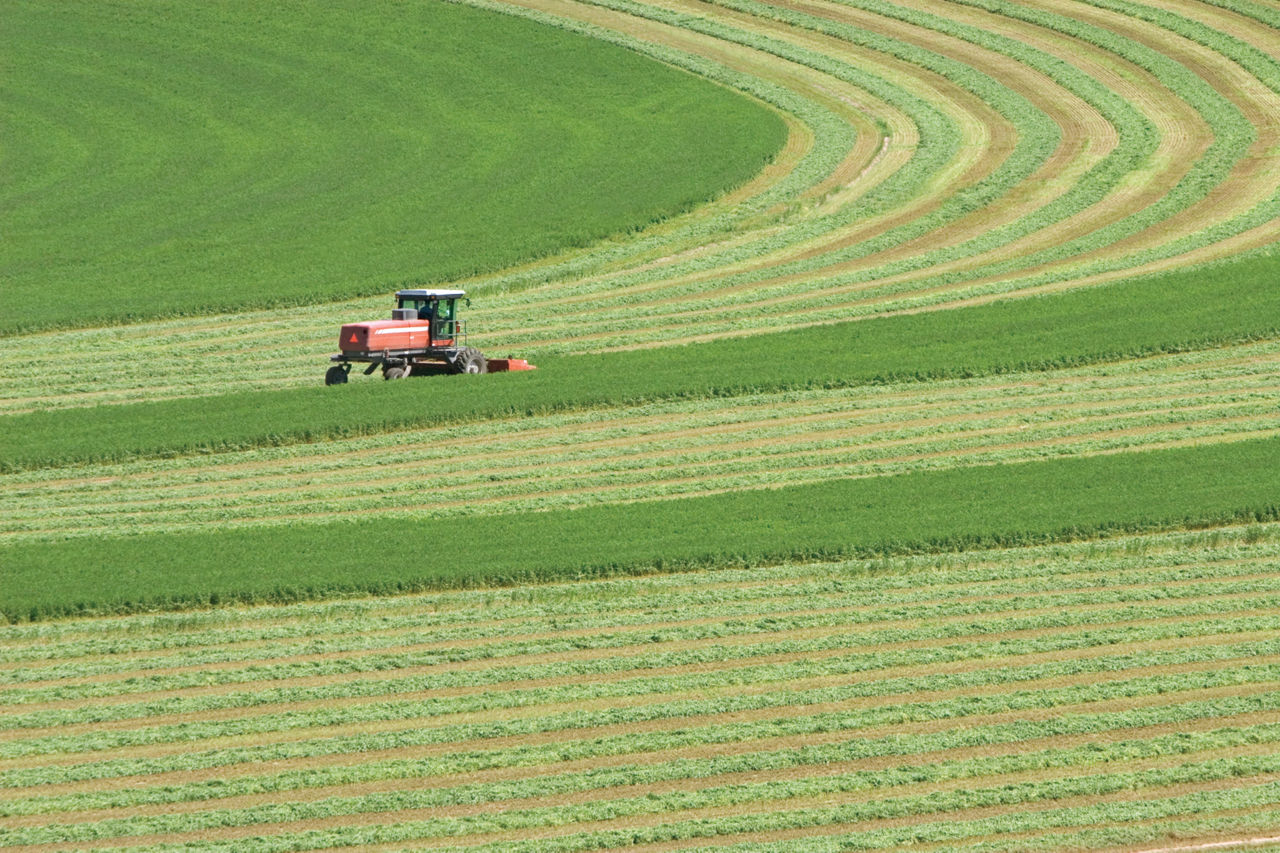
(940, 154)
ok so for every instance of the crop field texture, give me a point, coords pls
(285, 157)
(1104, 694)
(940, 154)
(902, 469)
(666, 449)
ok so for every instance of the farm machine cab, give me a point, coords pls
(423, 336)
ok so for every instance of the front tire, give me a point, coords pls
(470, 360)
(335, 376)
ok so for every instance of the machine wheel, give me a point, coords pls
(397, 372)
(335, 375)
(470, 360)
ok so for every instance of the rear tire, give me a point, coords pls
(398, 372)
(335, 376)
(470, 360)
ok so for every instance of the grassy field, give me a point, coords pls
(304, 152)
(662, 449)
(900, 470)
(1226, 304)
(955, 507)
(965, 699)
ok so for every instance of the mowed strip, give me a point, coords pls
(463, 648)
(811, 296)
(465, 618)
(1085, 139)
(858, 697)
(667, 450)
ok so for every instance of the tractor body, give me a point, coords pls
(423, 336)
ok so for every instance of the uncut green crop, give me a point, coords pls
(829, 139)
(832, 139)
(1162, 565)
(191, 372)
(666, 449)
(289, 369)
(181, 350)
(1024, 503)
(1171, 312)
(212, 157)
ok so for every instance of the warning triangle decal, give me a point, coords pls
(353, 338)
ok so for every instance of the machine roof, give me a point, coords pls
(429, 294)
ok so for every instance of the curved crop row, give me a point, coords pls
(1161, 155)
(1162, 72)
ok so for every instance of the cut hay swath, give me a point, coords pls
(674, 449)
(955, 699)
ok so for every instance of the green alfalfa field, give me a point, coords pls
(178, 160)
(900, 469)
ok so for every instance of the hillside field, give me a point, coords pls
(901, 470)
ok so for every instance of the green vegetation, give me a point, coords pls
(664, 449)
(955, 508)
(563, 610)
(189, 160)
(1228, 303)
(824, 294)
(910, 689)
(721, 312)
